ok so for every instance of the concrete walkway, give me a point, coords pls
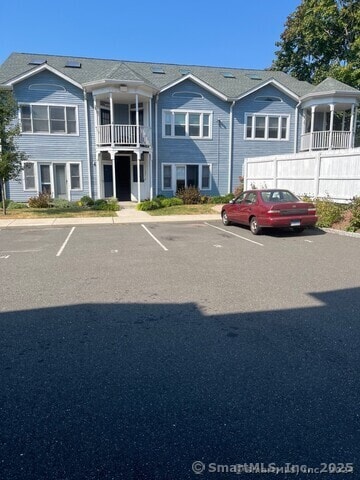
(127, 214)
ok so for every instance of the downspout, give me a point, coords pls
(156, 147)
(87, 142)
(230, 146)
(296, 127)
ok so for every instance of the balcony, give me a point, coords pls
(123, 135)
(325, 140)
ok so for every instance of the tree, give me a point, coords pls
(322, 39)
(10, 156)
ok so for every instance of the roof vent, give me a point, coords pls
(254, 76)
(228, 75)
(158, 70)
(73, 64)
(37, 61)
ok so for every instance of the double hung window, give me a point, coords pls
(48, 119)
(267, 127)
(180, 176)
(186, 124)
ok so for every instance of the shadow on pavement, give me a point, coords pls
(141, 391)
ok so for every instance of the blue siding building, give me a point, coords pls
(132, 130)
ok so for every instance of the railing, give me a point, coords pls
(325, 140)
(123, 135)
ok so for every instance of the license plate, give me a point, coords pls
(294, 223)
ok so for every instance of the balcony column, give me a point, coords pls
(352, 126)
(112, 155)
(112, 119)
(138, 156)
(137, 123)
(313, 108)
(331, 128)
(96, 120)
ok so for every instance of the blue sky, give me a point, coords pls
(228, 33)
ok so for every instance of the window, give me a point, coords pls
(75, 176)
(29, 176)
(167, 181)
(205, 177)
(179, 123)
(186, 175)
(135, 175)
(267, 127)
(45, 179)
(48, 119)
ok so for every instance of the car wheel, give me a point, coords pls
(298, 229)
(254, 226)
(224, 218)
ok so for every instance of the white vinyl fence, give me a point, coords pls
(334, 174)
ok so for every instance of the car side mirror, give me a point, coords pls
(231, 201)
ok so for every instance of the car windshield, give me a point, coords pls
(278, 196)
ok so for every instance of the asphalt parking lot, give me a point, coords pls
(133, 351)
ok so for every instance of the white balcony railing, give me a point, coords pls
(125, 135)
(325, 140)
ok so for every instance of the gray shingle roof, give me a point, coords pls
(99, 69)
(332, 85)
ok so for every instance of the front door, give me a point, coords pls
(60, 181)
(123, 179)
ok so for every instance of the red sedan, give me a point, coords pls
(274, 208)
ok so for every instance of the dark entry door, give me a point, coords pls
(123, 180)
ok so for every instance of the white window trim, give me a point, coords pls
(173, 175)
(267, 116)
(40, 104)
(36, 179)
(68, 173)
(187, 113)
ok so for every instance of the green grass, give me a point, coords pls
(56, 212)
(183, 210)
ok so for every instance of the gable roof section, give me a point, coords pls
(195, 80)
(273, 82)
(38, 69)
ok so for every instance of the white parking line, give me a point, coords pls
(22, 251)
(66, 241)
(235, 234)
(156, 240)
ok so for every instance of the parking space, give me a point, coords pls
(199, 237)
(175, 334)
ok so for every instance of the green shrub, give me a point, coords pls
(148, 205)
(221, 198)
(355, 210)
(16, 205)
(108, 205)
(170, 202)
(43, 200)
(61, 203)
(189, 195)
(86, 201)
(7, 202)
(328, 212)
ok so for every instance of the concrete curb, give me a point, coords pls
(341, 232)
(133, 216)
